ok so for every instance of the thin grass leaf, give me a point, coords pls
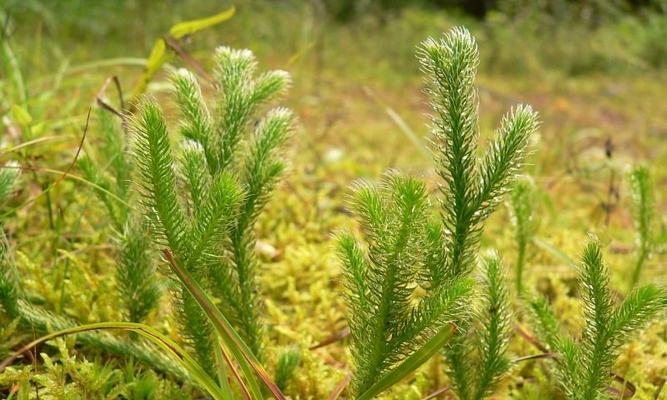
(409, 365)
(233, 342)
(521, 212)
(555, 252)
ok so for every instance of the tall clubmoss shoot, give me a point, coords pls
(406, 249)
(228, 170)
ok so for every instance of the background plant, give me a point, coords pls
(643, 209)
(521, 212)
(138, 285)
(17, 305)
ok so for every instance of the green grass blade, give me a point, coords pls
(236, 346)
(31, 142)
(109, 62)
(36, 319)
(555, 251)
(64, 175)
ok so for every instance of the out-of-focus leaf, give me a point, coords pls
(155, 60)
(21, 115)
(159, 54)
(12, 71)
(228, 336)
(189, 27)
(555, 251)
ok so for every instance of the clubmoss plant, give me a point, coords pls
(385, 326)
(521, 212)
(203, 212)
(583, 367)
(138, 288)
(407, 285)
(16, 305)
(204, 201)
(201, 207)
(643, 210)
(471, 192)
(287, 364)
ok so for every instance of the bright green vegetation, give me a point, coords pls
(521, 212)
(408, 252)
(213, 238)
(137, 288)
(584, 367)
(201, 241)
(643, 208)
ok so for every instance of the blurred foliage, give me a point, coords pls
(592, 11)
(591, 36)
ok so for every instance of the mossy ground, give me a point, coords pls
(347, 87)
